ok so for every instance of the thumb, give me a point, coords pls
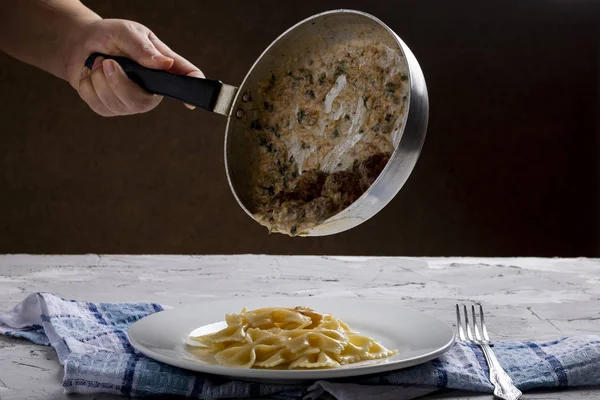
(137, 46)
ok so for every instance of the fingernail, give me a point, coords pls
(108, 67)
(196, 74)
(189, 106)
(97, 62)
(162, 59)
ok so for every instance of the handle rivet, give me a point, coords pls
(246, 97)
(239, 113)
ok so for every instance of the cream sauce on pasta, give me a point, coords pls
(286, 338)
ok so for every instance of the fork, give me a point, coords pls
(504, 387)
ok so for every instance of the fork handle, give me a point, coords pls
(503, 384)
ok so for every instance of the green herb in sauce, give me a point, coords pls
(390, 87)
(270, 190)
(340, 70)
(282, 169)
(301, 116)
(262, 142)
(275, 131)
(296, 78)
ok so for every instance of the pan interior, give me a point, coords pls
(313, 37)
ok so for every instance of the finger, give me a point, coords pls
(85, 71)
(150, 48)
(134, 42)
(135, 99)
(88, 94)
(180, 65)
(105, 92)
(195, 74)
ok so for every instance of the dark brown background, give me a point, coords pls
(509, 167)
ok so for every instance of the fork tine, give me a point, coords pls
(459, 325)
(476, 328)
(483, 328)
(469, 331)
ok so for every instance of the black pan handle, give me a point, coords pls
(197, 92)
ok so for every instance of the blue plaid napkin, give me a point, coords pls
(90, 340)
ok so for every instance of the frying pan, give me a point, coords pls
(215, 96)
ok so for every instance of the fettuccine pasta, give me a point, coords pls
(288, 338)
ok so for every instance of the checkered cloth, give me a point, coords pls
(91, 342)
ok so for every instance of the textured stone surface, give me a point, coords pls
(525, 298)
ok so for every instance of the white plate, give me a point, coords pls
(418, 337)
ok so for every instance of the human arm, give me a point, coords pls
(58, 36)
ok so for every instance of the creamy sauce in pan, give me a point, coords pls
(326, 124)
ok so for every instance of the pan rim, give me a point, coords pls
(348, 211)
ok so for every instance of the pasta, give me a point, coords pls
(288, 338)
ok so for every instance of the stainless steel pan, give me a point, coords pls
(215, 96)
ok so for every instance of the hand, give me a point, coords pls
(106, 88)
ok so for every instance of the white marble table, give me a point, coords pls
(525, 298)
